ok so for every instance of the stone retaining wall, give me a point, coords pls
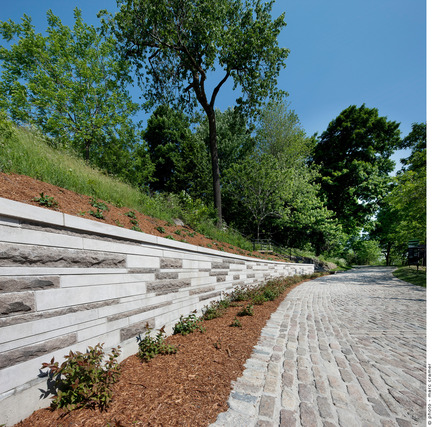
(67, 283)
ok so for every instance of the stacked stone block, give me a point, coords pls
(67, 283)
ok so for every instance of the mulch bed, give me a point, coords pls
(189, 388)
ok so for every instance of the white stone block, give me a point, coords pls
(15, 333)
(39, 238)
(137, 261)
(66, 297)
(23, 211)
(104, 279)
(53, 271)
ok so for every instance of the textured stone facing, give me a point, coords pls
(167, 286)
(16, 303)
(19, 284)
(12, 255)
(170, 263)
(13, 357)
(136, 329)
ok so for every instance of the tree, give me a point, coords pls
(353, 156)
(177, 45)
(167, 131)
(403, 213)
(72, 84)
(260, 187)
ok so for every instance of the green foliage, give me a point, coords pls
(412, 275)
(45, 200)
(131, 214)
(215, 309)
(160, 229)
(136, 228)
(84, 379)
(403, 213)
(101, 206)
(353, 156)
(188, 324)
(169, 237)
(364, 252)
(259, 299)
(71, 84)
(149, 346)
(236, 323)
(238, 36)
(247, 310)
(97, 214)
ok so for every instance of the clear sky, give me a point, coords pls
(343, 52)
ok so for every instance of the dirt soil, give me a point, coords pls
(189, 388)
(25, 189)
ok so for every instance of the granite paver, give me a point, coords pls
(342, 350)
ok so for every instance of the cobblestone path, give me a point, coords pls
(342, 350)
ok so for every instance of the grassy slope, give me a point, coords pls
(27, 152)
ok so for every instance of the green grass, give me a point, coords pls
(27, 152)
(411, 275)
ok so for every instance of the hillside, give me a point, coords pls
(25, 189)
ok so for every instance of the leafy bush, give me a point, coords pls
(215, 309)
(45, 200)
(83, 379)
(149, 346)
(259, 299)
(236, 323)
(247, 311)
(189, 324)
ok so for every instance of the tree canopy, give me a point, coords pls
(353, 156)
(177, 45)
(71, 84)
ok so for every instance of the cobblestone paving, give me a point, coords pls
(342, 350)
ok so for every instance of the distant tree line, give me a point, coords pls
(252, 166)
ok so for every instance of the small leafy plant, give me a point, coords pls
(84, 379)
(97, 214)
(215, 309)
(236, 323)
(170, 237)
(259, 299)
(45, 200)
(149, 346)
(247, 311)
(189, 324)
(131, 214)
(136, 228)
(178, 232)
(160, 229)
(100, 206)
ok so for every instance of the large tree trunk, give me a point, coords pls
(215, 165)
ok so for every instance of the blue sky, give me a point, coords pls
(343, 52)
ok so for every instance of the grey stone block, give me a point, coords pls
(16, 303)
(170, 263)
(22, 283)
(209, 296)
(13, 357)
(168, 286)
(15, 255)
(136, 329)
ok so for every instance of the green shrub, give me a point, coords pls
(259, 299)
(247, 311)
(189, 324)
(149, 346)
(236, 323)
(45, 200)
(215, 309)
(83, 379)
